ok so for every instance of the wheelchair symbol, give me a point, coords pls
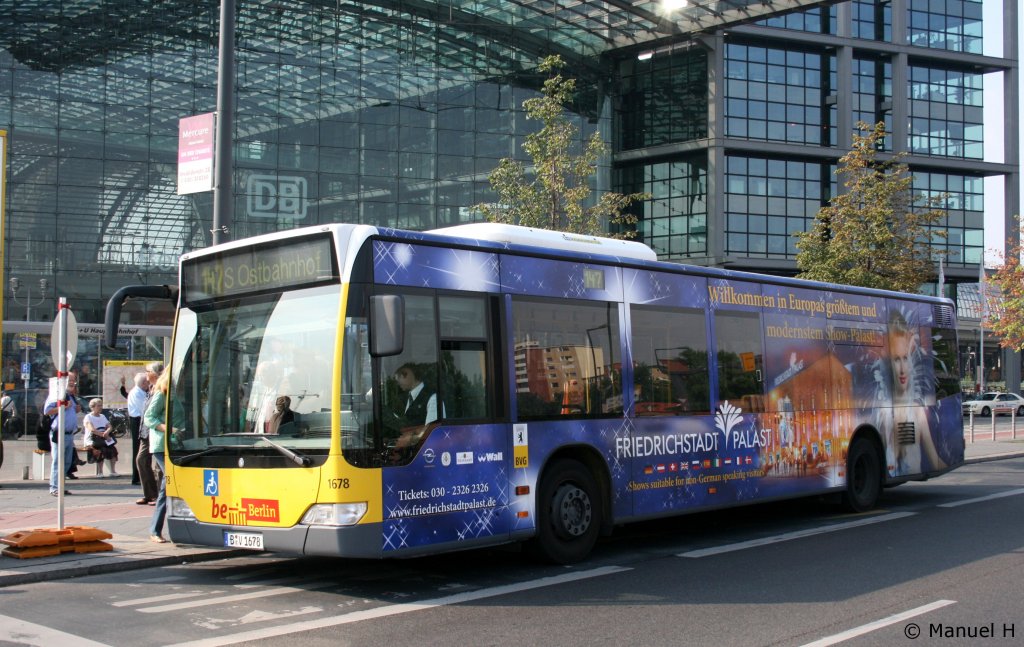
(211, 485)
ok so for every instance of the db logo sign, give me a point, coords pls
(276, 196)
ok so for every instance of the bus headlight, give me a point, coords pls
(178, 509)
(334, 514)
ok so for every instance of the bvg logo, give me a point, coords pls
(276, 196)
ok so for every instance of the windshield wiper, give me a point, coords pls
(184, 460)
(297, 458)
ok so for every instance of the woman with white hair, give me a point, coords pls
(99, 441)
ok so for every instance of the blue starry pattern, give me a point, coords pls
(434, 267)
(440, 498)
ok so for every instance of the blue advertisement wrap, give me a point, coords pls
(809, 368)
(455, 489)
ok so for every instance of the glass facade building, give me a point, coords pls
(393, 114)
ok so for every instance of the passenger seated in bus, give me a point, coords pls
(283, 418)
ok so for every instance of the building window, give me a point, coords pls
(946, 113)
(872, 95)
(953, 25)
(767, 201)
(663, 100)
(674, 221)
(820, 20)
(964, 204)
(872, 19)
(774, 94)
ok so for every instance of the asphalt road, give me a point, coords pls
(939, 563)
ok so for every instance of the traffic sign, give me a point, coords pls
(72, 338)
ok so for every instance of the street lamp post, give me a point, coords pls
(15, 284)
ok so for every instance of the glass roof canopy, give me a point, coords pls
(576, 28)
(172, 44)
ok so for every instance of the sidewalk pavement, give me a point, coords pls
(109, 504)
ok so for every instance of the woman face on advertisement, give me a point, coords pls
(899, 355)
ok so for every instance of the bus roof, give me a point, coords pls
(516, 235)
(554, 244)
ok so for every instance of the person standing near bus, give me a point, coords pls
(144, 458)
(52, 408)
(912, 436)
(137, 397)
(154, 418)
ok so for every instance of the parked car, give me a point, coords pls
(1001, 403)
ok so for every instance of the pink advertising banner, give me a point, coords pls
(195, 153)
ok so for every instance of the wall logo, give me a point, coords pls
(211, 483)
(490, 457)
(276, 196)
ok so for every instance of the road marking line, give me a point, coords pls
(224, 599)
(276, 581)
(21, 632)
(396, 609)
(161, 598)
(789, 536)
(878, 624)
(990, 497)
(159, 580)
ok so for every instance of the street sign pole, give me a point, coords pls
(63, 356)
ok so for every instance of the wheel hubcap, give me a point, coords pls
(573, 510)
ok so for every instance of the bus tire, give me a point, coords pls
(568, 513)
(863, 476)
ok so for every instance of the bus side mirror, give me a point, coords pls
(387, 325)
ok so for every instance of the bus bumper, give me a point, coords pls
(362, 541)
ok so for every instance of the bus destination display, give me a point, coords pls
(258, 269)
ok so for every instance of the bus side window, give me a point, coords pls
(464, 384)
(464, 379)
(670, 361)
(566, 358)
(740, 360)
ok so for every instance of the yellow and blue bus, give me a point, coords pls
(367, 392)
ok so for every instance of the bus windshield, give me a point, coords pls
(255, 373)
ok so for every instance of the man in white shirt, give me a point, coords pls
(136, 407)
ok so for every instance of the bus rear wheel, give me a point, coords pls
(863, 476)
(568, 513)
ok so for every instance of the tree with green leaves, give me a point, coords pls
(873, 234)
(553, 192)
(1007, 321)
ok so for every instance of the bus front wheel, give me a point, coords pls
(568, 513)
(863, 476)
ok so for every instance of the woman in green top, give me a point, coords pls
(154, 418)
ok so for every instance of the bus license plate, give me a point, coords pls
(250, 540)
